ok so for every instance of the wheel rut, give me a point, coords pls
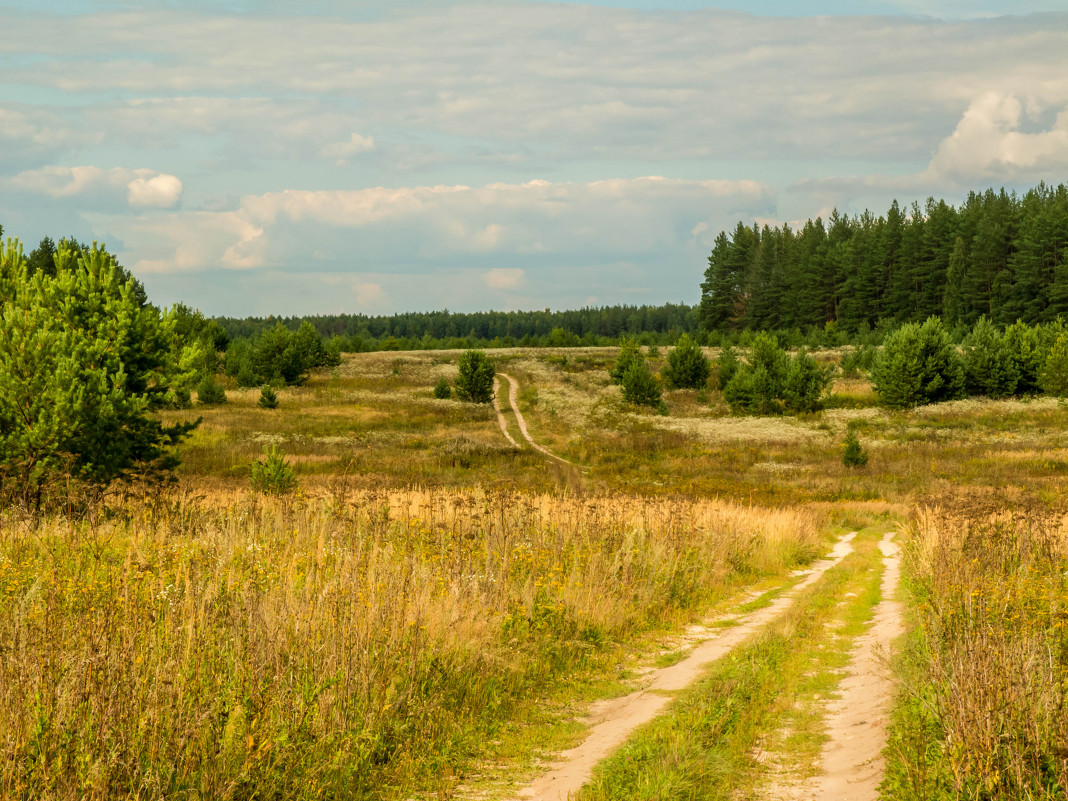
(613, 721)
(513, 401)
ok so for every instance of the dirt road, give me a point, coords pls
(501, 419)
(513, 401)
(614, 720)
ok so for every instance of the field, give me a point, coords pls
(434, 612)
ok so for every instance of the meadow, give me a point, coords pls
(428, 614)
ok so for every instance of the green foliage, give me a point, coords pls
(1024, 347)
(474, 382)
(84, 363)
(640, 386)
(805, 383)
(210, 392)
(268, 397)
(442, 390)
(271, 475)
(989, 366)
(727, 366)
(687, 366)
(858, 360)
(854, 454)
(280, 355)
(629, 353)
(1054, 377)
(772, 382)
(918, 365)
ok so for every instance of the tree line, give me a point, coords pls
(998, 255)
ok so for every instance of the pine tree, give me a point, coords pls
(687, 367)
(989, 367)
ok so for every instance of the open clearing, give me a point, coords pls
(611, 603)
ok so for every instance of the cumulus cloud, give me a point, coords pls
(343, 151)
(142, 188)
(504, 277)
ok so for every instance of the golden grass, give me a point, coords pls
(230, 646)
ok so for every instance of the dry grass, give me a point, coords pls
(985, 714)
(231, 646)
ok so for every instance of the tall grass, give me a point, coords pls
(984, 715)
(356, 646)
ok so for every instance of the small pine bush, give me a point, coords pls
(989, 366)
(475, 380)
(268, 397)
(641, 387)
(272, 476)
(854, 454)
(687, 367)
(442, 390)
(629, 352)
(210, 391)
(918, 365)
(1054, 378)
(727, 366)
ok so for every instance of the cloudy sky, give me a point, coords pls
(261, 156)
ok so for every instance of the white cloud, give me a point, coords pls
(343, 151)
(369, 296)
(142, 188)
(504, 277)
(988, 142)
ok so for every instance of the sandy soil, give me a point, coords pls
(513, 400)
(613, 721)
(501, 420)
(852, 761)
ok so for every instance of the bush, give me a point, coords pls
(687, 366)
(268, 397)
(854, 455)
(918, 365)
(805, 383)
(210, 392)
(1054, 378)
(727, 366)
(1024, 348)
(641, 387)
(475, 380)
(272, 476)
(442, 390)
(858, 360)
(629, 352)
(989, 366)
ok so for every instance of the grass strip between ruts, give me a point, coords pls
(705, 746)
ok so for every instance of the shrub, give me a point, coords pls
(629, 352)
(805, 383)
(989, 367)
(641, 387)
(740, 393)
(1024, 348)
(272, 476)
(210, 391)
(442, 390)
(268, 397)
(858, 360)
(918, 365)
(687, 366)
(1054, 378)
(727, 366)
(475, 380)
(854, 454)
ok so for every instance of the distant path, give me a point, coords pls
(501, 419)
(614, 720)
(513, 401)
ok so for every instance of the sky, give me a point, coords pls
(253, 157)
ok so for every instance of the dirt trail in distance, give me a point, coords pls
(513, 401)
(852, 759)
(501, 419)
(614, 720)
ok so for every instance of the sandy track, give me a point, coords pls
(501, 419)
(852, 760)
(614, 720)
(513, 401)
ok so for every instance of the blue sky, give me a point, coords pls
(264, 157)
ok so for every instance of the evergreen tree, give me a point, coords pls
(918, 365)
(687, 367)
(1022, 343)
(474, 382)
(629, 353)
(1054, 377)
(640, 386)
(989, 367)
